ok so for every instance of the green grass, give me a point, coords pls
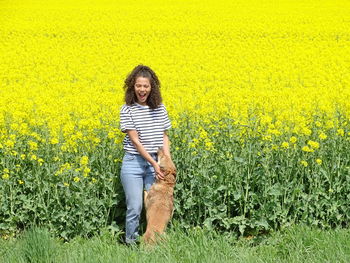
(294, 244)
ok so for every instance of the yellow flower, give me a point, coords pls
(274, 132)
(322, 136)
(174, 124)
(329, 124)
(192, 145)
(14, 126)
(84, 160)
(66, 184)
(202, 133)
(293, 139)
(306, 131)
(76, 179)
(33, 145)
(319, 161)
(118, 140)
(267, 138)
(285, 145)
(96, 140)
(35, 135)
(33, 157)
(314, 145)
(304, 163)
(111, 135)
(340, 132)
(5, 176)
(20, 182)
(9, 144)
(54, 141)
(86, 171)
(209, 145)
(307, 149)
(79, 135)
(66, 166)
(64, 147)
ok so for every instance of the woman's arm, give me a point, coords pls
(139, 147)
(166, 144)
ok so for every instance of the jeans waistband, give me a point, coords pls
(152, 154)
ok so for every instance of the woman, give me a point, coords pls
(145, 121)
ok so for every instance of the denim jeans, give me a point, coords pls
(136, 175)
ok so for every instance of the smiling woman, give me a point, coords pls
(142, 86)
(145, 120)
(142, 90)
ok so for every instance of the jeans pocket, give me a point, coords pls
(129, 157)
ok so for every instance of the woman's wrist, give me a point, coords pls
(154, 163)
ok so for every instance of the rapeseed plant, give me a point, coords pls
(263, 86)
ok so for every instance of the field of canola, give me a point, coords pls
(257, 91)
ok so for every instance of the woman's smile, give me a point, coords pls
(142, 90)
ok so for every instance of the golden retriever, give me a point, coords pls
(159, 200)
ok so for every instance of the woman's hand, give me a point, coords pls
(135, 140)
(158, 172)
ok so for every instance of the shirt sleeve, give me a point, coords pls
(126, 122)
(167, 123)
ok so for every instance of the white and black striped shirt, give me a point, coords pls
(149, 124)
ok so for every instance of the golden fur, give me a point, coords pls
(159, 200)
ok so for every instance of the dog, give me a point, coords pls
(159, 201)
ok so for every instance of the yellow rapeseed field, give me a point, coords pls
(282, 65)
(63, 63)
(254, 89)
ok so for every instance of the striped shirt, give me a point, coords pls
(149, 124)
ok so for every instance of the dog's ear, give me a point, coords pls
(170, 170)
(160, 151)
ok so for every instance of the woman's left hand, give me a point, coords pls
(158, 172)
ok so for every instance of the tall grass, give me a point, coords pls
(295, 244)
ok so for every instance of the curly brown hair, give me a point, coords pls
(154, 99)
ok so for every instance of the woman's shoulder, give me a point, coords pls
(125, 108)
(162, 106)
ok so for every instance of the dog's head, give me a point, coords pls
(167, 166)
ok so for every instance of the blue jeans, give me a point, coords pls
(136, 174)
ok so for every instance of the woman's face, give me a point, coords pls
(142, 90)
